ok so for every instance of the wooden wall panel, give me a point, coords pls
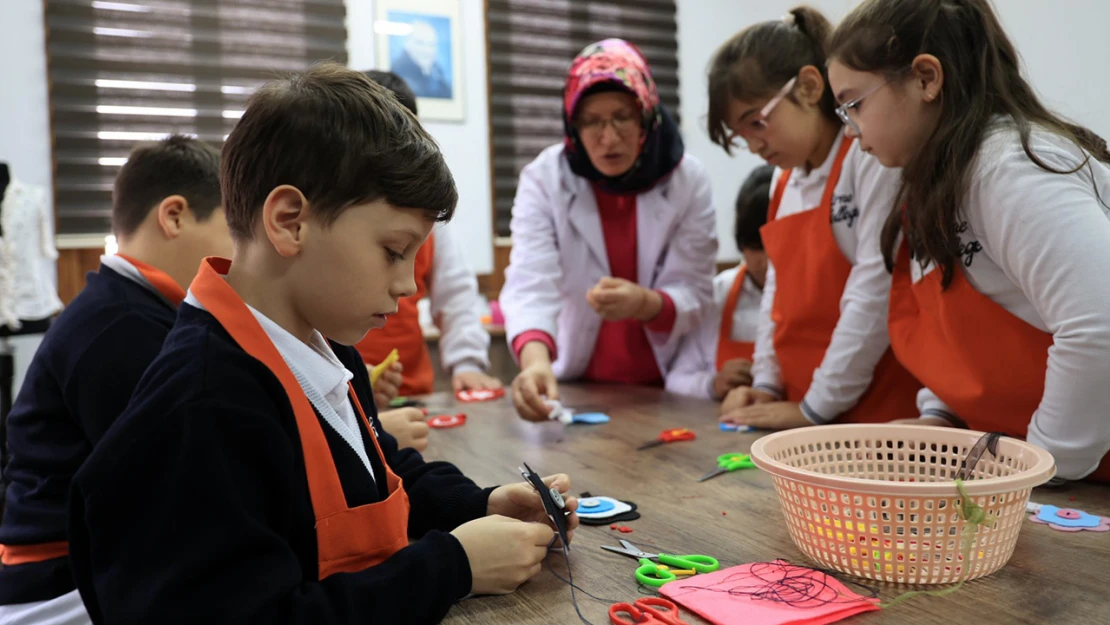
(73, 264)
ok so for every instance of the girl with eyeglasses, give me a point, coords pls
(614, 238)
(822, 353)
(998, 238)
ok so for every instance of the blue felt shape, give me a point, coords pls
(591, 418)
(732, 427)
(600, 505)
(1048, 515)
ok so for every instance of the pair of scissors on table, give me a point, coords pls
(646, 610)
(727, 463)
(669, 436)
(655, 575)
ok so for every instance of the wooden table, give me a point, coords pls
(1053, 577)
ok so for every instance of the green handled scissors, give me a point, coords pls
(727, 463)
(654, 575)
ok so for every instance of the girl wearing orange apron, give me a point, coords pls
(999, 304)
(822, 353)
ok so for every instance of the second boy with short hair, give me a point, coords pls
(167, 216)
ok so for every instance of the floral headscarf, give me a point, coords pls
(615, 63)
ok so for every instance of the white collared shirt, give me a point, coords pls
(323, 371)
(695, 366)
(28, 258)
(124, 268)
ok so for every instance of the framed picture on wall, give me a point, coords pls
(419, 40)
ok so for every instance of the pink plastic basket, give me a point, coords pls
(879, 501)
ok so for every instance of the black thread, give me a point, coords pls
(788, 584)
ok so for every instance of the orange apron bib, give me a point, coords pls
(985, 363)
(348, 539)
(403, 333)
(11, 555)
(811, 273)
(728, 349)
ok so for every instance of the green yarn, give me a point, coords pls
(973, 516)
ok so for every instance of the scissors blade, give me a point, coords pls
(712, 474)
(654, 443)
(622, 551)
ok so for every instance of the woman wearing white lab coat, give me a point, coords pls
(614, 238)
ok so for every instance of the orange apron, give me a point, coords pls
(348, 539)
(11, 555)
(402, 332)
(728, 349)
(985, 363)
(811, 273)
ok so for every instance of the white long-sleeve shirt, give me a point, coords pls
(1038, 244)
(863, 198)
(453, 298)
(695, 365)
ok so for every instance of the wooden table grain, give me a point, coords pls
(1053, 577)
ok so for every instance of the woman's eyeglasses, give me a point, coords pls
(623, 124)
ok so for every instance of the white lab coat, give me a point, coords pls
(559, 254)
(453, 295)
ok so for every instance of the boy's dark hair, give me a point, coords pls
(756, 62)
(751, 207)
(176, 165)
(983, 79)
(395, 84)
(338, 137)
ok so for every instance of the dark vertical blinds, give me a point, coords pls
(531, 45)
(123, 71)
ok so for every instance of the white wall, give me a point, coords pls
(24, 113)
(1063, 50)
(465, 145)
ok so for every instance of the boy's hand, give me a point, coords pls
(743, 396)
(473, 380)
(407, 426)
(530, 387)
(616, 299)
(504, 553)
(775, 415)
(520, 501)
(736, 372)
(389, 385)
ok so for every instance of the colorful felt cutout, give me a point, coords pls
(480, 394)
(1070, 519)
(444, 421)
(565, 415)
(617, 513)
(601, 508)
(732, 427)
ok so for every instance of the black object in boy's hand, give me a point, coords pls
(553, 503)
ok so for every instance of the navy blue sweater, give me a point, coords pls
(195, 507)
(78, 383)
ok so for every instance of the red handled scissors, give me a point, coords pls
(669, 436)
(646, 610)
